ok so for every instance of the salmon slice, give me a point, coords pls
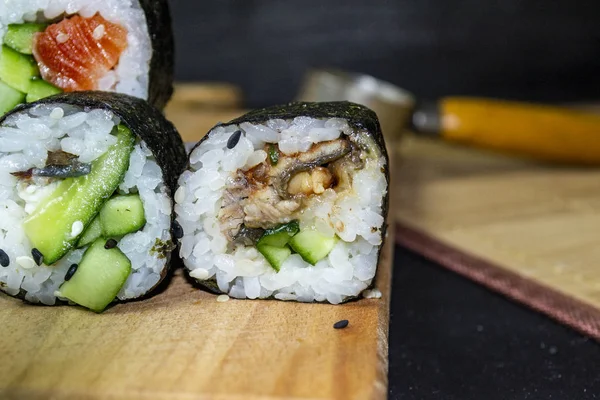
(76, 52)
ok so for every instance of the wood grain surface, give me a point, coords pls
(183, 344)
(536, 222)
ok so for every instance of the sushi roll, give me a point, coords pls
(288, 202)
(85, 198)
(54, 46)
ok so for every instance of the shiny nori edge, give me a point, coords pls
(359, 117)
(145, 121)
(158, 21)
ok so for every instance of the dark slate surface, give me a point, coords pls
(534, 49)
(452, 339)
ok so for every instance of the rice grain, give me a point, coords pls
(222, 298)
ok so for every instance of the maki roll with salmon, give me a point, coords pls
(85, 198)
(287, 202)
(54, 46)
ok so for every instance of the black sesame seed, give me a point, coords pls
(341, 324)
(37, 255)
(177, 230)
(110, 243)
(4, 259)
(234, 139)
(71, 272)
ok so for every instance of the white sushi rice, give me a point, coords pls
(356, 217)
(25, 139)
(131, 73)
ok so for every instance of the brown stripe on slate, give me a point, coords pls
(559, 306)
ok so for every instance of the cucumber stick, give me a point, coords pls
(9, 98)
(39, 89)
(90, 234)
(122, 215)
(274, 255)
(78, 199)
(279, 236)
(312, 246)
(19, 37)
(99, 277)
(17, 70)
(273, 243)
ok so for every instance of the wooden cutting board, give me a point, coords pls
(183, 344)
(529, 231)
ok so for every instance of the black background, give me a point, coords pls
(449, 338)
(544, 50)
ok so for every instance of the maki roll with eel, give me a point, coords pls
(86, 183)
(287, 202)
(54, 46)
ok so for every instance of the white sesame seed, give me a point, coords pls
(199, 273)
(180, 195)
(222, 298)
(372, 294)
(76, 228)
(99, 32)
(62, 37)
(26, 262)
(57, 113)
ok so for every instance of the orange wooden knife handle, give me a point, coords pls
(547, 133)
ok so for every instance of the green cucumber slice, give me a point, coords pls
(78, 199)
(99, 278)
(90, 234)
(39, 89)
(16, 69)
(19, 37)
(312, 246)
(275, 255)
(279, 236)
(121, 215)
(9, 98)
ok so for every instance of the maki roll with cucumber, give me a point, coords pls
(54, 46)
(287, 202)
(85, 198)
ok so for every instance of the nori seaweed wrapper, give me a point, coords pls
(158, 20)
(359, 117)
(145, 122)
